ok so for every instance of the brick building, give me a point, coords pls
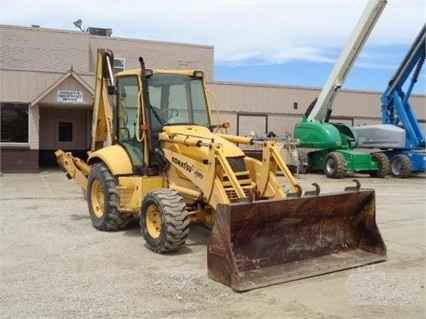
(47, 86)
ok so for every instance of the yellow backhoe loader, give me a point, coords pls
(156, 156)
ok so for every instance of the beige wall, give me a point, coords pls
(68, 84)
(49, 119)
(25, 86)
(39, 49)
(357, 107)
(276, 101)
(34, 58)
(157, 55)
(49, 50)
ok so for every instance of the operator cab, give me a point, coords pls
(146, 104)
(177, 99)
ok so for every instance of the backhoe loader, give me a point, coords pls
(156, 156)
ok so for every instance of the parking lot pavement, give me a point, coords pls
(54, 264)
(46, 184)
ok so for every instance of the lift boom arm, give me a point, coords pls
(346, 60)
(396, 109)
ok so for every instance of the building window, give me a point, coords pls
(14, 122)
(65, 132)
(119, 65)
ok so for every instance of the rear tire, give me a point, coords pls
(335, 165)
(163, 219)
(400, 166)
(383, 163)
(103, 200)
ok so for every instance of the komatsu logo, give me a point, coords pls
(187, 167)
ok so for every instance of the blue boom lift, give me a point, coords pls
(400, 135)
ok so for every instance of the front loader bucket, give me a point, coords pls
(269, 242)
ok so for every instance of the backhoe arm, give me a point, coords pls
(74, 167)
(102, 123)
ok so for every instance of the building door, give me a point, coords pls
(65, 135)
(63, 129)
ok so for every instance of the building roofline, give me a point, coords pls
(43, 29)
(70, 73)
(268, 85)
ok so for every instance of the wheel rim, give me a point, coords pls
(330, 166)
(97, 196)
(153, 221)
(396, 167)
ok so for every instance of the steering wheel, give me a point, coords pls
(173, 112)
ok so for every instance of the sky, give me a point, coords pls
(283, 42)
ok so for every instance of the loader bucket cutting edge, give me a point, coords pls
(269, 242)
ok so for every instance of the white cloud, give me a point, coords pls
(265, 31)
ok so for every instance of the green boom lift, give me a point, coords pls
(333, 144)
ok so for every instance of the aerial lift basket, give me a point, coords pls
(268, 242)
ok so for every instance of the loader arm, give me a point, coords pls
(203, 174)
(270, 160)
(261, 177)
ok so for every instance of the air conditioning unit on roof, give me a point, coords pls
(99, 31)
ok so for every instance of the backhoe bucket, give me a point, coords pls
(269, 242)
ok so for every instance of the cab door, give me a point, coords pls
(128, 118)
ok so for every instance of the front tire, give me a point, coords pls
(103, 200)
(383, 164)
(400, 166)
(335, 165)
(164, 221)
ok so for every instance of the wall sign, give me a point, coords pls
(69, 96)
